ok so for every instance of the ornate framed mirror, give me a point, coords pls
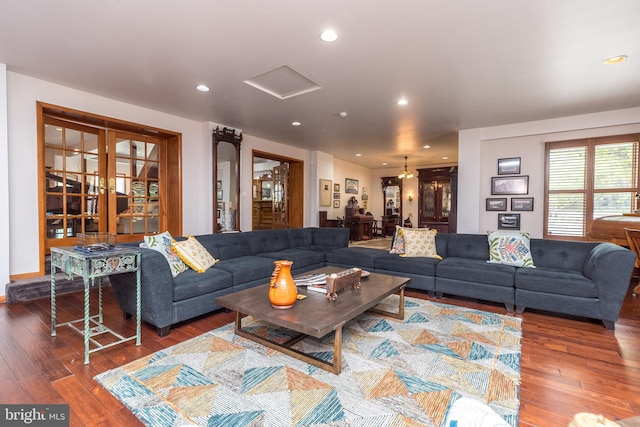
(226, 180)
(392, 209)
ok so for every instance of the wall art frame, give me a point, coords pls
(509, 221)
(522, 203)
(325, 192)
(496, 204)
(351, 185)
(506, 185)
(509, 166)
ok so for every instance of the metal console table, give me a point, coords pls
(92, 265)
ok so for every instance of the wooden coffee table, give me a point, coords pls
(314, 316)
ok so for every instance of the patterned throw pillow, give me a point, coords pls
(420, 242)
(510, 248)
(194, 254)
(162, 243)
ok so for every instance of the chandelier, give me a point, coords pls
(405, 173)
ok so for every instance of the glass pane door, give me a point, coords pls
(280, 196)
(72, 185)
(134, 186)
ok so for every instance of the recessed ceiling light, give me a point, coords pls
(615, 59)
(296, 123)
(343, 114)
(445, 158)
(358, 155)
(426, 146)
(384, 163)
(329, 36)
(402, 101)
(203, 88)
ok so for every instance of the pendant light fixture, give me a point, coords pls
(405, 173)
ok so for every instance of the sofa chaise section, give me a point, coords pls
(245, 259)
(586, 279)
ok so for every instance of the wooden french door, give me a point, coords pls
(100, 181)
(280, 196)
(134, 185)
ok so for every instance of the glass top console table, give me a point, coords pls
(91, 266)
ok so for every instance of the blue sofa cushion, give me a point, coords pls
(263, 241)
(555, 281)
(476, 271)
(247, 268)
(300, 258)
(355, 257)
(560, 254)
(191, 284)
(226, 245)
(418, 265)
(299, 237)
(474, 246)
(320, 250)
(331, 237)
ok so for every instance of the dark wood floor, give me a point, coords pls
(568, 365)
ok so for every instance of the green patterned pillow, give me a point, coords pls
(162, 243)
(510, 248)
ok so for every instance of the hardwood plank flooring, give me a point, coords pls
(568, 365)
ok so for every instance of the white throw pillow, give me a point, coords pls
(510, 248)
(162, 243)
(420, 242)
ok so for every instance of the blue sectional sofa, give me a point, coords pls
(586, 279)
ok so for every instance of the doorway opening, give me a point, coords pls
(278, 191)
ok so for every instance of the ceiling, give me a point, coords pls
(461, 64)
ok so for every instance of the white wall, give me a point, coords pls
(343, 170)
(4, 183)
(525, 140)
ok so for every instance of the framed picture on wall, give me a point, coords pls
(325, 192)
(509, 166)
(351, 185)
(496, 204)
(336, 187)
(510, 184)
(336, 203)
(522, 203)
(508, 221)
(336, 195)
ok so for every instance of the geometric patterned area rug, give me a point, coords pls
(394, 373)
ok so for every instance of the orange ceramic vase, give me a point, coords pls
(282, 292)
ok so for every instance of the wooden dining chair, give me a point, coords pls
(633, 237)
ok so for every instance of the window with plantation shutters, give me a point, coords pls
(587, 179)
